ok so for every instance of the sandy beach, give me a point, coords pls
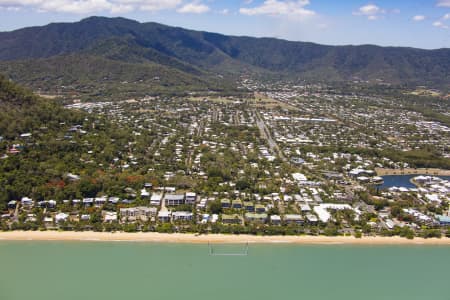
(211, 238)
(436, 172)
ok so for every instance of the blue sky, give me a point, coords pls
(412, 23)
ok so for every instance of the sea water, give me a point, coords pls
(125, 270)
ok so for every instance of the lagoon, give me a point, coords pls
(126, 270)
(402, 181)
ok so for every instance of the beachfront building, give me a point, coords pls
(164, 216)
(232, 219)
(137, 213)
(293, 219)
(255, 217)
(174, 199)
(443, 220)
(182, 216)
(275, 220)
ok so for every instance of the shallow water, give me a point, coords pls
(401, 181)
(122, 270)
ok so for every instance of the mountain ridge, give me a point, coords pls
(201, 54)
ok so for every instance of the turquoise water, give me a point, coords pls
(401, 181)
(82, 270)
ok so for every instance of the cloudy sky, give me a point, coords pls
(413, 23)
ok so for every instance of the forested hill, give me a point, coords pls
(195, 58)
(41, 142)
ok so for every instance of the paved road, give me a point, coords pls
(265, 133)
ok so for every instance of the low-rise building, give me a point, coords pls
(293, 219)
(255, 217)
(275, 220)
(164, 216)
(191, 198)
(236, 204)
(232, 219)
(174, 199)
(182, 216)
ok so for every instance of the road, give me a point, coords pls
(265, 134)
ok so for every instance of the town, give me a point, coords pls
(282, 159)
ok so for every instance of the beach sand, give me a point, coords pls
(211, 238)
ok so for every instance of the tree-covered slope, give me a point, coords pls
(204, 55)
(41, 142)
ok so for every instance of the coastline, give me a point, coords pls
(410, 171)
(90, 236)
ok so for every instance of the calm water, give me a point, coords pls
(402, 181)
(80, 270)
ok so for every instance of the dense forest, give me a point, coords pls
(42, 143)
(155, 57)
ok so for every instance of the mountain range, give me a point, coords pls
(98, 52)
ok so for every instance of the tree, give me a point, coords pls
(215, 207)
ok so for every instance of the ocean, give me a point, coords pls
(126, 270)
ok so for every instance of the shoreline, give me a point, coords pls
(410, 171)
(186, 238)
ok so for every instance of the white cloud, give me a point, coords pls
(371, 11)
(443, 3)
(418, 18)
(439, 24)
(224, 11)
(291, 9)
(91, 6)
(193, 8)
(154, 5)
(446, 17)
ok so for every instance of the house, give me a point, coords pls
(236, 204)
(305, 207)
(155, 199)
(48, 221)
(88, 202)
(249, 206)
(275, 220)
(26, 202)
(174, 199)
(100, 201)
(226, 203)
(31, 218)
(205, 218)
(164, 216)
(12, 204)
(75, 202)
(191, 198)
(133, 213)
(232, 219)
(51, 203)
(109, 216)
(293, 219)
(443, 220)
(255, 217)
(61, 217)
(259, 208)
(85, 217)
(311, 219)
(182, 216)
(113, 200)
(144, 193)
